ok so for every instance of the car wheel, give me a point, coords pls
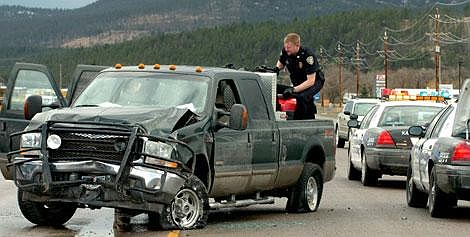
(188, 210)
(368, 178)
(414, 196)
(306, 195)
(353, 174)
(439, 202)
(46, 213)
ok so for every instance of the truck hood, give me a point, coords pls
(157, 121)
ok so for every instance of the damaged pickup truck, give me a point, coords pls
(169, 141)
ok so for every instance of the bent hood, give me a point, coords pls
(157, 121)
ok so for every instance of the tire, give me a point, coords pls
(368, 177)
(189, 209)
(353, 174)
(340, 143)
(46, 213)
(439, 202)
(122, 220)
(414, 196)
(306, 195)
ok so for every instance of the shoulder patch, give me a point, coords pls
(310, 60)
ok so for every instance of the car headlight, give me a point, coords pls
(31, 140)
(159, 149)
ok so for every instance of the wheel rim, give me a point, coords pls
(409, 188)
(432, 196)
(363, 170)
(312, 193)
(186, 208)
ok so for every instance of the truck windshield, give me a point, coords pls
(145, 89)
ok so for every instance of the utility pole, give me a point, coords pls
(60, 76)
(322, 62)
(437, 50)
(340, 62)
(358, 64)
(386, 58)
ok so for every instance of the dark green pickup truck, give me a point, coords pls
(169, 141)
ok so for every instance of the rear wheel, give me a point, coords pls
(306, 195)
(368, 177)
(353, 174)
(414, 196)
(46, 213)
(439, 202)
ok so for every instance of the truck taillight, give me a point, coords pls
(385, 140)
(461, 152)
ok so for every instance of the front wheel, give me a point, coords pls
(306, 195)
(414, 196)
(188, 210)
(46, 213)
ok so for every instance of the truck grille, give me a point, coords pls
(76, 145)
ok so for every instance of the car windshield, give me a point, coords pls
(407, 115)
(142, 89)
(361, 109)
(462, 114)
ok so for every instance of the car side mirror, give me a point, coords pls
(239, 117)
(416, 131)
(353, 123)
(347, 112)
(353, 116)
(32, 106)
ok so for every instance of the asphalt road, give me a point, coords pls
(347, 209)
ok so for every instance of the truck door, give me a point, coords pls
(232, 149)
(25, 80)
(263, 135)
(82, 77)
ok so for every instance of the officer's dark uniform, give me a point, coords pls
(300, 65)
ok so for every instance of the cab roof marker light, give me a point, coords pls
(118, 66)
(141, 66)
(199, 69)
(172, 67)
(156, 66)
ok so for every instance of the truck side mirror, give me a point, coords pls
(416, 131)
(239, 117)
(347, 112)
(32, 106)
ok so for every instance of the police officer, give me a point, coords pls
(302, 65)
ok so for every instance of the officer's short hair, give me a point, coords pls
(293, 38)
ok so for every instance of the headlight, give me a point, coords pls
(159, 149)
(31, 140)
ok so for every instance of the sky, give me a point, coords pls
(67, 4)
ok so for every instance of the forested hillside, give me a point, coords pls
(410, 42)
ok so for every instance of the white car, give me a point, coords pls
(360, 107)
(380, 144)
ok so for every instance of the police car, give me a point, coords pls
(380, 144)
(439, 169)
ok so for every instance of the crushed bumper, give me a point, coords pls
(92, 183)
